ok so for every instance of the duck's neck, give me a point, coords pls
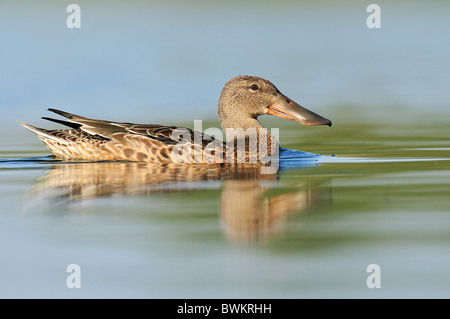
(238, 125)
(242, 127)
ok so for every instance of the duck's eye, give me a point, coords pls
(254, 87)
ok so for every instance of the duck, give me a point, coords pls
(243, 99)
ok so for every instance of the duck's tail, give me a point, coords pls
(44, 134)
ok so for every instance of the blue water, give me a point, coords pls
(287, 158)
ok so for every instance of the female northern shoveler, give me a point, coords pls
(242, 100)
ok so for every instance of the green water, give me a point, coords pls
(137, 231)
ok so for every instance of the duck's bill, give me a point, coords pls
(288, 109)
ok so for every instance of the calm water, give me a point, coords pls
(140, 231)
(310, 231)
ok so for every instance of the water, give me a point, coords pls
(140, 231)
(310, 231)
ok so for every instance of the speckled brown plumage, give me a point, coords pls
(124, 141)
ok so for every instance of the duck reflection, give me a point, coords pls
(248, 209)
(251, 213)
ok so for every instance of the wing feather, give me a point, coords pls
(170, 135)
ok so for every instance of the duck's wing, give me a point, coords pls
(169, 135)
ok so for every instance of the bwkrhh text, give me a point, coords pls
(226, 308)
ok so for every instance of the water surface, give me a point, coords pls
(137, 230)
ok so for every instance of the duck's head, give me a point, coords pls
(244, 98)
